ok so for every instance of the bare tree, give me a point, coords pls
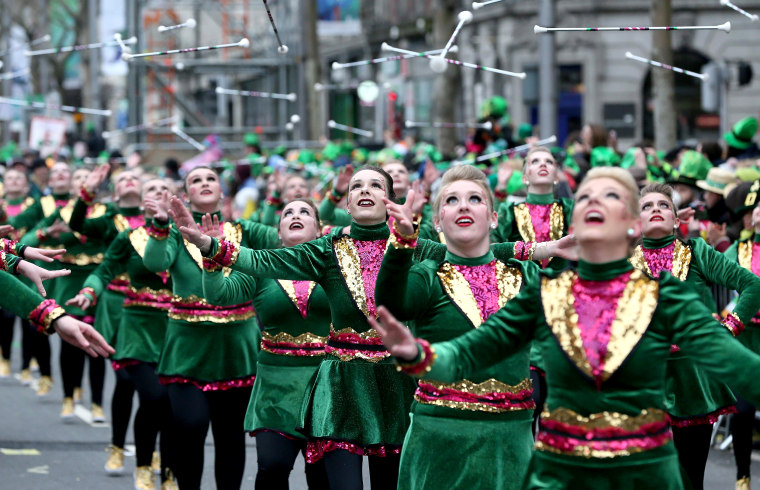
(663, 82)
(446, 85)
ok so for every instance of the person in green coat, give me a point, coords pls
(605, 330)
(695, 401)
(296, 320)
(746, 253)
(357, 403)
(208, 359)
(139, 338)
(488, 416)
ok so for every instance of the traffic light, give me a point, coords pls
(745, 73)
(711, 87)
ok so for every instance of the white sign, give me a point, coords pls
(47, 135)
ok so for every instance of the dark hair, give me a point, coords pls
(712, 150)
(184, 182)
(659, 188)
(386, 176)
(313, 207)
(598, 135)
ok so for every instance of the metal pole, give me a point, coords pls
(547, 72)
(92, 33)
(134, 78)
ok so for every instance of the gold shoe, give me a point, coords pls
(5, 368)
(26, 377)
(67, 412)
(98, 416)
(144, 478)
(44, 385)
(156, 463)
(115, 462)
(34, 365)
(170, 483)
(743, 484)
(78, 395)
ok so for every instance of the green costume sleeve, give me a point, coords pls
(114, 263)
(31, 238)
(718, 269)
(567, 211)
(427, 230)
(28, 218)
(232, 290)
(704, 339)
(504, 333)
(161, 254)
(330, 215)
(9, 263)
(269, 215)
(732, 252)
(101, 227)
(304, 262)
(260, 236)
(400, 288)
(19, 299)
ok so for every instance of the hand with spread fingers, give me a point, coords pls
(82, 335)
(190, 230)
(402, 213)
(397, 338)
(37, 274)
(80, 301)
(43, 254)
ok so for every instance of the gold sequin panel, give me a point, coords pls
(194, 310)
(491, 395)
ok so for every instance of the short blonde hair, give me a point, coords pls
(622, 177)
(463, 172)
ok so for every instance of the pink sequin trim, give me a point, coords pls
(674, 348)
(210, 385)
(302, 295)
(135, 221)
(291, 349)
(124, 363)
(572, 445)
(498, 400)
(370, 257)
(119, 285)
(316, 449)
(710, 418)
(596, 305)
(482, 281)
(659, 259)
(196, 308)
(148, 300)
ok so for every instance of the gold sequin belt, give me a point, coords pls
(489, 396)
(194, 309)
(348, 344)
(160, 299)
(305, 345)
(602, 435)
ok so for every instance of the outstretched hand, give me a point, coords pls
(419, 198)
(37, 274)
(82, 335)
(190, 230)
(210, 226)
(42, 254)
(343, 179)
(403, 214)
(96, 178)
(5, 230)
(397, 338)
(80, 301)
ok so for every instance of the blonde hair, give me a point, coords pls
(467, 173)
(622, 177)
(537, 149)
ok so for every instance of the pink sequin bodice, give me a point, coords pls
(756, 258)
(540, 217)
(596, 305)
(483, 284)
(135, 221)
(659, 259)
(302, 295)
(370, 258)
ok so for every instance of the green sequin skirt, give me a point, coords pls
(141, 334)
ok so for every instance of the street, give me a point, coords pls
(38, 451)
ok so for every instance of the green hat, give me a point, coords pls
(604, 156)
(331, 151)
(694, 166)
(742, 133)
(748, 174)
(525, 130)
(346, 148)
(251, 139)
(360, 155)
(495, 106)
(306, 157)
(280, 150)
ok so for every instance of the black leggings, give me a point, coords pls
(693, 445)
(742, 426)
(155, 416)
(72, 369)
(538, 396)
(41, 350)
(7, 323)
(121, 407)
(344, 471)
(193, 410)
(275, 456)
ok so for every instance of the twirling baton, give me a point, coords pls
(727, 3)
(517, 149)
(338, 66)
(80, 47)
(198, 146)
(479, 5)
(282, 49)
(140, 127)
(189, 23)
(14, 74)
(243, 43)
(332, 124)
(722, 27)
(250, 93)
(414, 124)
(521, 75)
(438, 63)
(65, 108)
(701, 76)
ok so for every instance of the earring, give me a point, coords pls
(556, 182)
(493, 226)
(438, 229)
(675, 226)
(630, 232)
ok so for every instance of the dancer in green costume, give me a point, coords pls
(605, 330)
(208, 358)
(488, 415)
(694, 400)
(296, 320)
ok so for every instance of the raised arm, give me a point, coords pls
(399, 288)
(231, 290)
(114, 263)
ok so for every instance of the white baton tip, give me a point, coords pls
(331, 123)
(465, 16)
(438, 64)
(628, 54)
(384, 46)
(488, 125)
(724, 2)
(295, 119)
(161, 28)
(191, 23)
(292, 97)
(336, 65)
(408, 123)
(522, 75)
(283, 49)
(476, 5)
(219, 90)
(244, 43)
(725, 27)
(537, 29)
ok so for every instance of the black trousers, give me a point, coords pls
(693, 445)
(193, 411)
(275, 456)
(72, 369)
(344, 471)
(742, 426)
(121, 407)
(7, 322)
